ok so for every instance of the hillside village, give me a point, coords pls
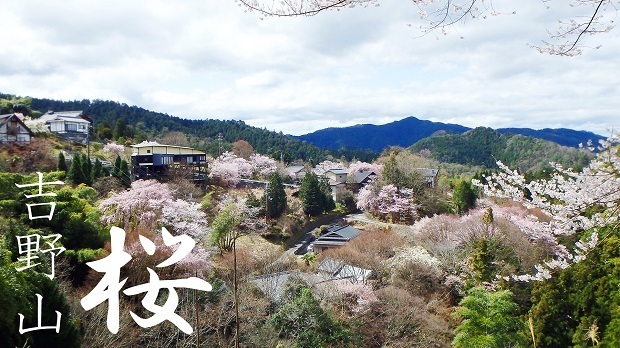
(399, 251)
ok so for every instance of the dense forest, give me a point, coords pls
(485, 146)
(142, 124)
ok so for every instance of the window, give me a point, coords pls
(148, 151)
(71, 127)
(166, 160)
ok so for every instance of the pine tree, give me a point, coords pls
(313, 199)
(76, 172)
(119, 129)
(62, 163)
(124, 173)
(481, 261)
(116, 170)
(489, 320)
(328, 199)
(87, 167)
(276, 201)
(97, 169)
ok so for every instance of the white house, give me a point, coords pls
(70, 125)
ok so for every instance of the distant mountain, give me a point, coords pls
(562, 136)
(484, 146)
(410, 130)
(376, 138)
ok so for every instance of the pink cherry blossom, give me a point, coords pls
(114, 148)
(566, 199)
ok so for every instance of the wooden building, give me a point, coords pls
(13, 129)
(151, 160)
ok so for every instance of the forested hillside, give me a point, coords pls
(410, 130)
(485, 146)
(143, 124)
(377, 138)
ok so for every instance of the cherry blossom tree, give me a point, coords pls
(262, 166)
(574, 204)
(387, 203)
(358, 167)
(360, 295)
(149, 204)
(114, 148)
(437, 17)
(230, 168)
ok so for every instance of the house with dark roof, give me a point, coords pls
(297, 172)
(334, 237)
(151, 160)
(69, 125)
(429, 175)
(14, 130)
(358, 179)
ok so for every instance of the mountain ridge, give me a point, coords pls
(409, 130)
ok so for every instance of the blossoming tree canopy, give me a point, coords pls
(114, 148)
(575, 203)
(439, 16)
(149, 204)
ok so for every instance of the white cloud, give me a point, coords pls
(210, 59)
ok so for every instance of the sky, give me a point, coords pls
(210, 59)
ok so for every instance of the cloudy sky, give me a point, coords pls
(210, 59)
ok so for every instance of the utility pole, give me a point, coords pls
(219, 139)
(267, 202)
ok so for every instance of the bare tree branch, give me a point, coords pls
(440, 16)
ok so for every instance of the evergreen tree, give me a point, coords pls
(76, 172)
(116, 170)
(124, 173)
(464, 197)
(392, 174)
(489, 320)
(481, 261)
(312, 198)
(62, 163)
(87, 167)
(302, 319)
(276, 201)
(328, 199)
(97, 169)
(105, 132)
(119, 129)
(582, 301)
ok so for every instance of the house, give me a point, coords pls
(297, 172)
(151, 160)
(337, 175)
(359, 179)
(429, 175)
(334, 237)
(70, 125)
(13, 129)
(337, 178)
(336, 269)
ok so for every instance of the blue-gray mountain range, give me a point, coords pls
(410, 130)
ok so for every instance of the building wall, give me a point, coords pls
(148, 150)
(21, 136)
